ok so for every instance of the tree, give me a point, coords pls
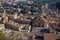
(2, 37)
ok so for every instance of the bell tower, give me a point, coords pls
(4, 16)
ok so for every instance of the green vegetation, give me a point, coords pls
(58, 38)
(2, 37)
